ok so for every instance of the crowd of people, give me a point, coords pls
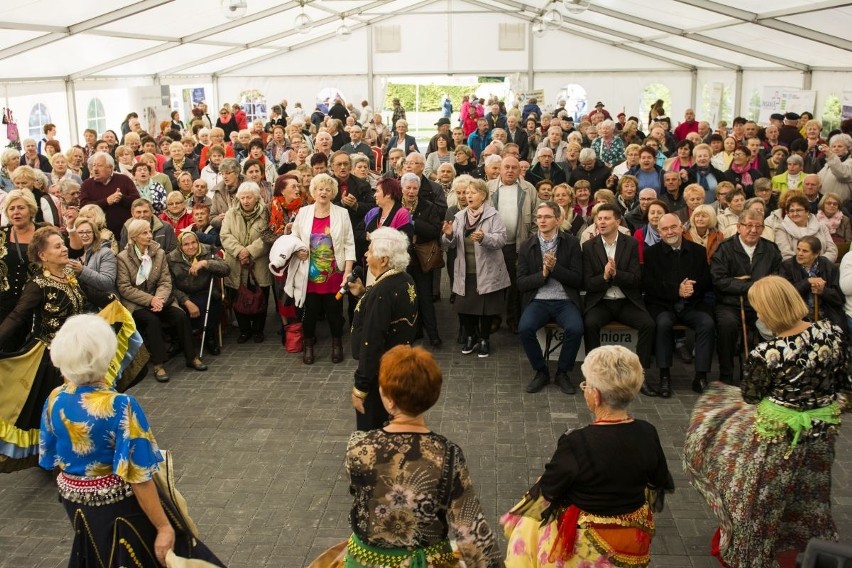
(535, 220)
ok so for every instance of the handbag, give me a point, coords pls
(294, 340)
(11, 126)
(250, 300)
(429, 255)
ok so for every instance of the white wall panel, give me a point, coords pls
(328, 57)
(558, 51)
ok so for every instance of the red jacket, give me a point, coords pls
(685, 128)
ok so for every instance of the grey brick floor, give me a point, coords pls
(258, 443)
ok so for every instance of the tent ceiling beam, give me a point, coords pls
(518, 6)
(121, 61)
(325, 36)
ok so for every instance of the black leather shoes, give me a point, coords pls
(563, 381)
(213, 347)
(469, 345)
(243, 338)
(648, 390)
(699, 384)
(666, 387)
(541, 380)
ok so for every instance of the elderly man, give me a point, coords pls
(401, 139)
(811, 188)
(516, 135)
(429, 190)
(323, 143)
(676, 277)
(550, 276)
(545, 169)
(356, 145)
(635, 218)
(704, 131)
(613, 283)
(738, 263)
(479, 138)
(69, 202)
(491, 167)
(495, 118)
(592, 170)
(688, 125)
(499, 135)
(33, 159)
(112, 193)
(789, 131)
(672, 194)
(443, 125)
(352, 193)
(515, 200)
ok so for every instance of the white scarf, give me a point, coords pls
(144, 266)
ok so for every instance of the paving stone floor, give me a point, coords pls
(258, 443)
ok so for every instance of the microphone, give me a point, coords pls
(353, 276)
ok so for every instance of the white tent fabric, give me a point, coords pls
(52, 48)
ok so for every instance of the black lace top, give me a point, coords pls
(802, 372)
(403, 500)
(46, 303)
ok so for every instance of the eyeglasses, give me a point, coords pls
(175, 202)
(796, 210)
(85, 233)
(752, 227)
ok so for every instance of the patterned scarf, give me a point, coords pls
(473, 216)
(410, 206)
(833, 223)
(745, 176)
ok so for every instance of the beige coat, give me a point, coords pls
(158, 284)
(236, 236)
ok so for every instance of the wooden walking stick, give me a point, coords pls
(816, 308)
(745, 335)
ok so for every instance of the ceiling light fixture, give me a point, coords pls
(539, 28)
(552, 17)
(577, 6)
(302, 23)
(344, 31)
(234, 9)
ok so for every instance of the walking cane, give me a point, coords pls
(816, 307)
(745, 336)
(206, 316)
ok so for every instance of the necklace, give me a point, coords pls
(613, 420)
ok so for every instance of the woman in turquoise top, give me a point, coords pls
(101, 443)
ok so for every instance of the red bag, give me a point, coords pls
(294, 341)
(250, 299)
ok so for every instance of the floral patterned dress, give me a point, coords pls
(401, 497)
(771, 493)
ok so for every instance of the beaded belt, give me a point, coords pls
(93, 491)
(439, 554)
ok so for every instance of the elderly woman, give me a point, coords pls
(426, 254)
(156, 176)
(176, 215)
(682, 160)
(740, 173)
(608, 147)
(25, 177)
(59, 162)
(631, 158)
(702, 229)
(443, 155)
(97, 216)
(247, 255)
(829, 214)
(361, 169)
(96, 269)
(253, 172)
(107, 488)
(388, 212)
(193, 268)
(570, 222)
(817, 280)
(465, 162)
(148, 189)
(797, 223)
(647, 172)
(648, 234)
(123, 159)
(753, 204)
(10, 159)
(836, 175)
(478, 234)
(441, 502)
(328, 256)
(761, 454)
(224, 194)
(184, 184)
(386, 316)
(626, 199)
(730, 216)
(792, 178)
(377, 133)
(593, 505)
(777, 160)
(145, 287)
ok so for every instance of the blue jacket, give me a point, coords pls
(478, 143)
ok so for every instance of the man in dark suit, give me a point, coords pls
(613, 279)
(429, 190)
(516, 135)
(737, 264)
(550, 275)
(352, 193)
(675, 277)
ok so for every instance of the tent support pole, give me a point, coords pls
(807, 79)
(216, 93)
(530, 58)
(693, 89)
(370, 76)
(738, 93)
(71, 100)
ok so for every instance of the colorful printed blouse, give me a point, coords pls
(397, 481)
(801, 372)
(95, 431)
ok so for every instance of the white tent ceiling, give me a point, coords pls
(52, 39)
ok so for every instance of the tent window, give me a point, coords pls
(831, 114)
(717, 103)
(254, 104)
(576, 100)
(754, 105)
(39, 116)
(96, 115)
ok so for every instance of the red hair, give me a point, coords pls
(411, 378)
